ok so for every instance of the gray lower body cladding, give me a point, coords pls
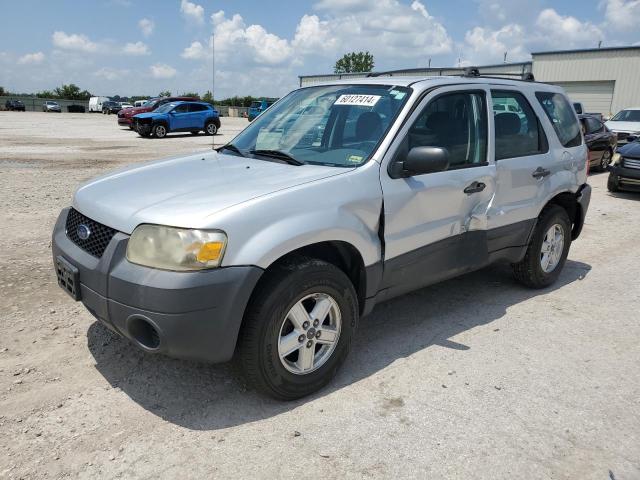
(195, 315)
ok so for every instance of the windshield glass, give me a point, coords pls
(167, 107)
(627, 116)
(336, 125)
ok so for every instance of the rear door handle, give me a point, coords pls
(475, 187)
(541, 173)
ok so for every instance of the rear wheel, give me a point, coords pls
(298, 328)
(612, 183)
(160, 131)
(547, 251)
(211, 128)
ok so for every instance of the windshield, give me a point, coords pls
(627, 116)
(336, 125)
(167, 107)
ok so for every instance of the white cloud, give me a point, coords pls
(313, 35)
(162, 70)
(138, 48)
(31, 58)
(622, 14)
(484, 45)
(559, 32)
(192, 11)
(74, 41)
(195, 51)
(146, 26)
(111, 73)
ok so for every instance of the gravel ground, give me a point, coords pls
(473, 378)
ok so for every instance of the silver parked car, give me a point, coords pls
(51, 106)
(338, 197)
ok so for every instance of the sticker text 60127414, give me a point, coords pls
(360, 100)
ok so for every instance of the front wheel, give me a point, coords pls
(211, 128)
(547, 251)
(160, 131)
(298, 328)
(612, 183)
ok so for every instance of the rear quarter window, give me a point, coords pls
(562, 116)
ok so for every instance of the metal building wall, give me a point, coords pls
(621, 66)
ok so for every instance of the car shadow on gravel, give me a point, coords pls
(210, 397)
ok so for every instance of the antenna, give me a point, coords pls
(213, 78)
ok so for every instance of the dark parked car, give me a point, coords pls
(14, 105)
(76, 109)
(178, 117)
(110, 107)
(624, 172)
(600, 140)
(125, 117)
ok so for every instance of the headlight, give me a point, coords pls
(180, 249)
(616, 159)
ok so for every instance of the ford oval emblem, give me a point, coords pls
(83, 232)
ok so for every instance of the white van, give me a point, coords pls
(139, 103)
(95, 103)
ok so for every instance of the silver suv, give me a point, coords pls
(338, 197)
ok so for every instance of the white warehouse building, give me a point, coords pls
(605, 80)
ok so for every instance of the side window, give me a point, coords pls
(456, 122)
(593, 126)
(196, 107)
(517, 128)
(562, 116)
(184, 108)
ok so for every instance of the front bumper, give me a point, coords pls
(626, 178)
(124, 121)
(195, 315)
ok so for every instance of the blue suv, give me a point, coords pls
(178, 117)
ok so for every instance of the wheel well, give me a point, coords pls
(568, 201)
(341, 254)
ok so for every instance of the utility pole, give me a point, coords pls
(505, 57)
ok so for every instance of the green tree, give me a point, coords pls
(68, 92)
(165, 93)
(2, 91)
(208, 97)
(191, 94)
(355, 62)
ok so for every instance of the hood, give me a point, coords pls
(130, 112)
(623, 126)
(148, 115)
(630, 150)
(185, 191)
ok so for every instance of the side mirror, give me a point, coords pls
(421, 160)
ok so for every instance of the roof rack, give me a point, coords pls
(391, 72)
(474, 72)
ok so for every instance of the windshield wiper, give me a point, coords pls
(280, 155)
(233, 148)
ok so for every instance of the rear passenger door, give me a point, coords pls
(198, 116)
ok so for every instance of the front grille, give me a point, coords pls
(623, 135)
(99, 235)
(631, 163)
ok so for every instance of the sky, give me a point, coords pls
(142, 47)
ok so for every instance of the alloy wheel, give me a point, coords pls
(552, 248)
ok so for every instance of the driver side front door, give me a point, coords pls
(435, 223)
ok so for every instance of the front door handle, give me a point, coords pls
(475, 187)
(541, 173)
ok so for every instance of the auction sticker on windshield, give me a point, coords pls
(361, 100)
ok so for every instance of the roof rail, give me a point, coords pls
(474, 72)
(391, 72)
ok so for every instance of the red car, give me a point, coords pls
(125, 116)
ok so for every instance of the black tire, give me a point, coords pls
(529, 270)
(159, 130)
(605, 160)
(211, 128)
(279, 290)
(195, 132)
(612, 183)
